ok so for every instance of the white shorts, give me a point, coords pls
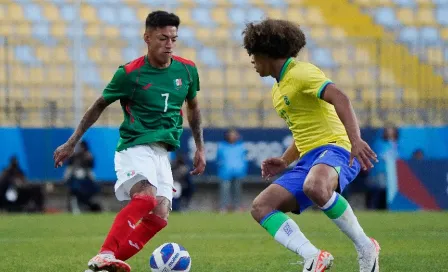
(143, 162)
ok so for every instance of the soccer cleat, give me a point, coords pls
(321, 262)
(368, 258)
(108, 263)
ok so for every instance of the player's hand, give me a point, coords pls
(198, 163)
(62, 153)
(272, 166)
(365, 155)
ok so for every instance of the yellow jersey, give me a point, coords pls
(297, 99)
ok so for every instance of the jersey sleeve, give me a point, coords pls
(116, 88)
(195, 85)
(312, 81)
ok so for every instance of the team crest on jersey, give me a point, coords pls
(178, 83)
(287, 102)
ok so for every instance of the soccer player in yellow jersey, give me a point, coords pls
(327, 142)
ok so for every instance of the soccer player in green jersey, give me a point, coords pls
(151, 90)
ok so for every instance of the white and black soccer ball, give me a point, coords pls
(170, 257)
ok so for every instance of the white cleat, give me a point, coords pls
(107, 263)
(321, 262)
(368, 258)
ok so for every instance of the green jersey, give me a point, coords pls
(152, 100)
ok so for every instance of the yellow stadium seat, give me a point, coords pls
(444, 33)
(24, 29)
(92, 30)
(59, 30)
(406, 16)
(37, 75)
(188, 53)
(51, 12)
(88, 13)
(362, 56)
(425, 16)
(364, 77)
(304, 55)
(60, 55)
(338, 33)
(314, 16)
(111, 32)
(274, 13)
(344, 78)
(227, 54)
(95, 53)
(435, 55)
(295, 15)
(341, 55)
(219, 15)
(185, 15)
(221, 34)
(386, 78)
(425, 3)
(15, 13)
(319, 33)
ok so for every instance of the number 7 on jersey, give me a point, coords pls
(166, 95)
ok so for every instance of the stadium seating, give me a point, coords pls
(386, 54)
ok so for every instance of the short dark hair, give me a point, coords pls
(162, 18)
(274, 38)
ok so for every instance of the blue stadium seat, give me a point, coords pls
(237, 34)
(445, 54)
(41, 31)
(386, 17)
(67, 12)
(202, 16)
(430, 35)
(408, 35)
(205, 3)
(209, 57)
(442, 15)
(405, 3)
(255, 14)
(108, 15)
(126, 15)
(130, 31)
(187, 36)
(239, 2)
(33, 12)
(276, 3)
(130, 53)
(322, 57)
(237, 16)
(90, 75)
(440, 2)
(25, 54)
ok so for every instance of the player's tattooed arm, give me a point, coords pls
(195, 121)
(89, 118)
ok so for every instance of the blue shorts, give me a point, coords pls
(334, 156)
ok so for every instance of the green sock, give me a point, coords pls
(339, 210)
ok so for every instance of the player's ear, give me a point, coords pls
(146, 37)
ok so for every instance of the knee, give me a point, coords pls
(143, 188)
(317, 187)
(260, 209)
(162, 214)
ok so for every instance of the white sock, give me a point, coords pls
(287, 232)
(340, 211)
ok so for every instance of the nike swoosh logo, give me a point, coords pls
(147, 86)
(374, 266)
(311, 266)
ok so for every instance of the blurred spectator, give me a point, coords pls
(418, 155)
(183, 182)
(387, 150)
(16, 193)
(232, 168)
(81, 181)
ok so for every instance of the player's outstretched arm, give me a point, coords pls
(195, 121)
(64, 151)
(360, 149)
(274, 166)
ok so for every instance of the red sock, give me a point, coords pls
(148, 227)
(125, 221)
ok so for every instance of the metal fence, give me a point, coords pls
(48, 81)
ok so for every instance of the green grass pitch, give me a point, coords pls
(224, 243)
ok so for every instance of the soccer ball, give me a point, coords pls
(170, 257)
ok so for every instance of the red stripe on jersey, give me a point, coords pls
(185, 61)
(128, 110)
(135, 64)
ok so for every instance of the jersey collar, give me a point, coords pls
(284, 67)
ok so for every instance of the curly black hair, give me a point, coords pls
(162, 18)
(274, 38)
